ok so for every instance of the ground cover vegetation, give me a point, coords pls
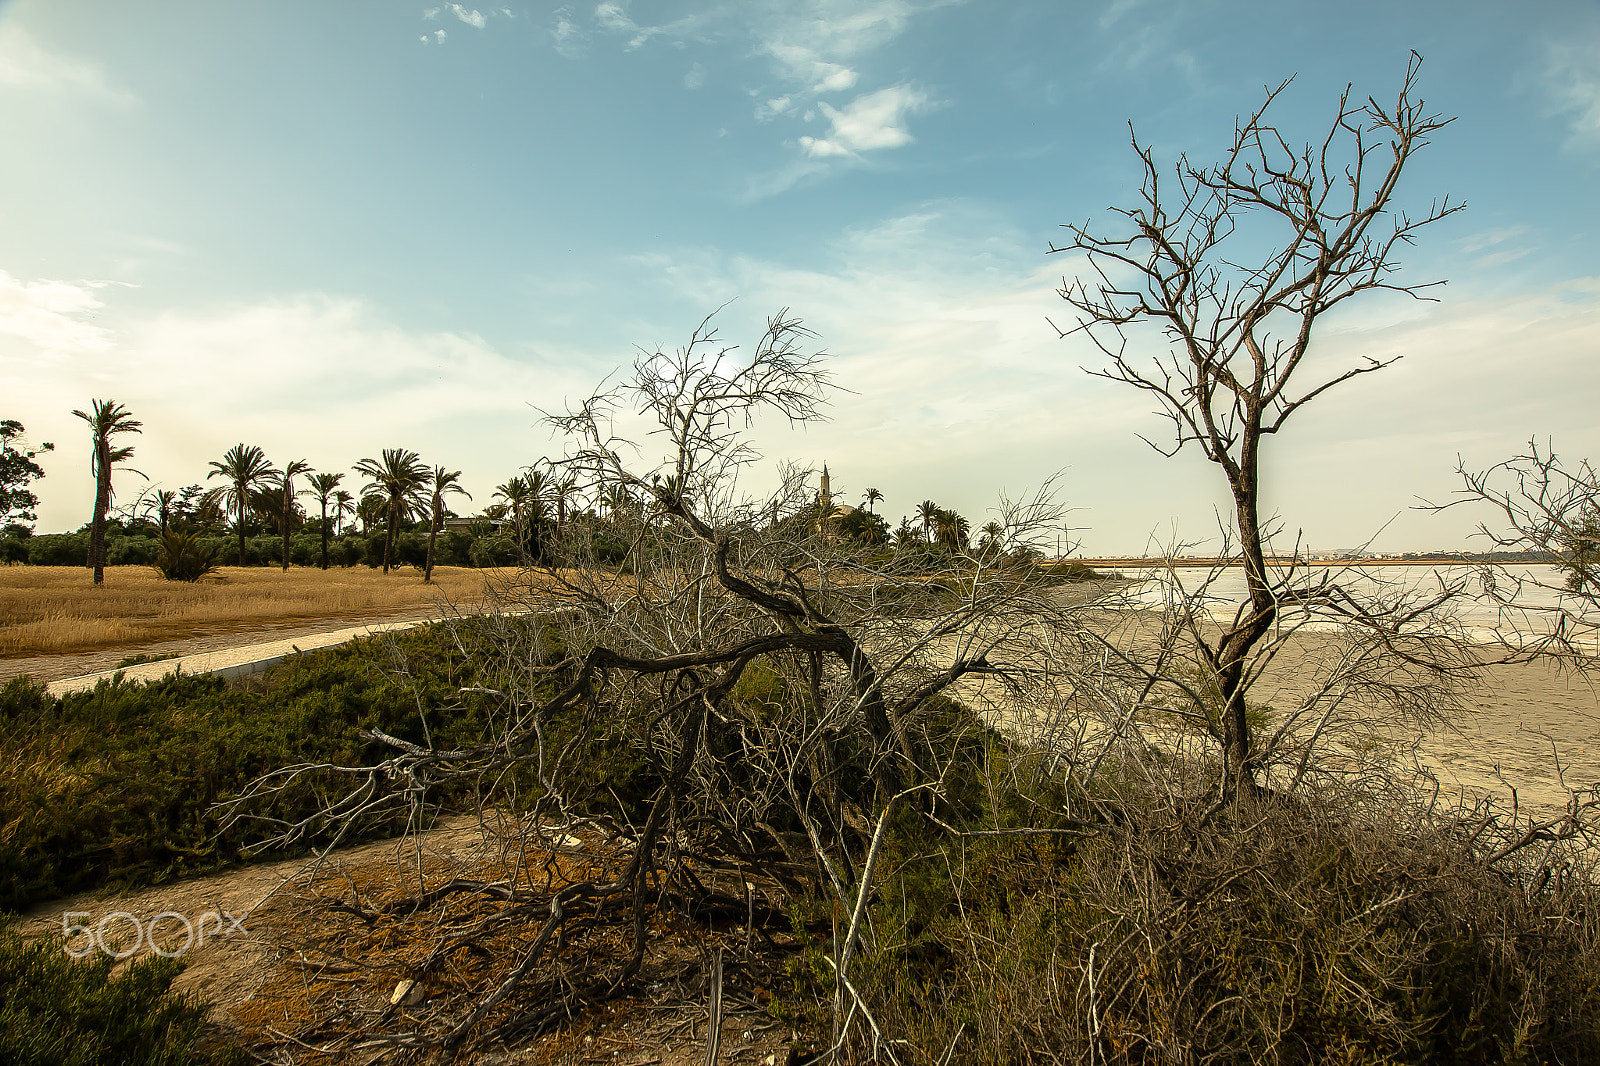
(972, 810)
(52, 610)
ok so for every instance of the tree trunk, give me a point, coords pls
(241, 526)
(1234, 646)
(324, 533)
(288, 513)
(102, 503)
(388, 540)
(433, 533)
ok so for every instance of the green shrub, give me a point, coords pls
(58, 1011)
(496, 550)
(58, 549)
(132, 551)
(114, 786)
(183, 557)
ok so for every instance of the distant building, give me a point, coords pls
(828, 512)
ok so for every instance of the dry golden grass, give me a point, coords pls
(46, 610)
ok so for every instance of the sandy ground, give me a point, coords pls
(1528, 734)
(261, 948)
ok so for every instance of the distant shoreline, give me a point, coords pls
(1156, 563)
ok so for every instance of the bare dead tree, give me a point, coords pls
(780, 688)
(1239, 314)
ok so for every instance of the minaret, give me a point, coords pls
(825, 497)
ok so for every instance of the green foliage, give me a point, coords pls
(18, 502)
(57, 1011)
(113, 786)
(861, 526)
(58, 549)
(183, 557)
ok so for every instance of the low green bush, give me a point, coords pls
(58, 1011)
(113, 786)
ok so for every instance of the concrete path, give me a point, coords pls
(232, 662)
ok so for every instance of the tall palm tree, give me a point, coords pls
(165, 499)
(994, 535)
(322, 487)
(872, 496)
(441, 483)
(399, 475)
(291, 470)
(524, 494)
(244, 466)
(951, 529)
(106, 420)
(928, 511)
(563, 491)
(343, 504)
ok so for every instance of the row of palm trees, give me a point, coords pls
(398, 477)
(399, 485)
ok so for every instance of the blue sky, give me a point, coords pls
(330, 229)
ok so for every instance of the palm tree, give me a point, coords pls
(245, 466)
(343, 504)
(165, 499)
(322, 487)
(525, 495)
(106, 420)
(994, 535)
(563, 492)
(291, 470)
(399, 475)
(872, 496)
(927, 510)
(441, 483)
(951, 529)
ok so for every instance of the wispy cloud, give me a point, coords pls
(26, 64)
(869, 122)
(52, 317)
(468, 15)
(614, 18)
(696, 77)
(567, 33)
(1573, 76)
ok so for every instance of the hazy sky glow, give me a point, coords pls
(332, 228)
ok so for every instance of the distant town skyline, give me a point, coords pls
(332, 230)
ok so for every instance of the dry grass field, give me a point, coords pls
(47, 610)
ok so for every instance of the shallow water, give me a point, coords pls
(1521, 601)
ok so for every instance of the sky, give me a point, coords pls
(329, 229)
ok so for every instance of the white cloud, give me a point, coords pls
(26, 64)
(570, 39)
(936, 322)
(771, 109)
(869, 122)
(696, 77)
(313, 376)
(470, 16)
(430, 12)
(1573, 77)
(614, 17)
(53, 317)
